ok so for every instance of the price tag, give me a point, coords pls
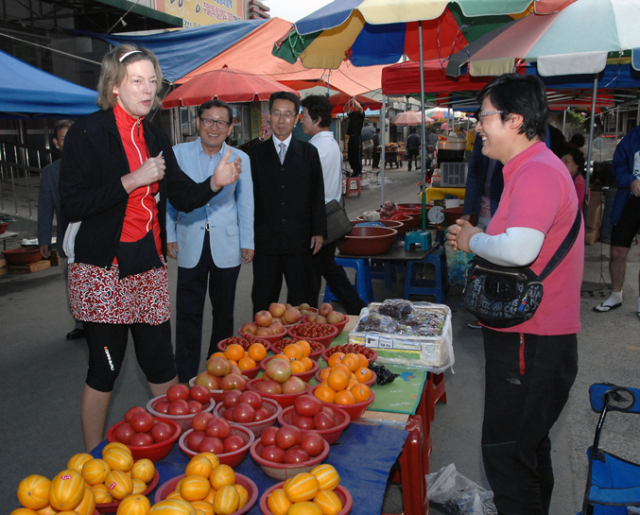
(386, 343)
(372, 341)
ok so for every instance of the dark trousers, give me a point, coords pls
(376, 157)
(324, 265)
(527, 383)
(107, 345)
(268, 270)
(354, 153)
(412, 155)
(190, 298)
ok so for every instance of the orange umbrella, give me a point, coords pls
(226, 84)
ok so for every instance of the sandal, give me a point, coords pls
(603, 308)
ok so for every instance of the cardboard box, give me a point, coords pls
(594, 218)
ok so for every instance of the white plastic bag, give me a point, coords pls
(457, 494)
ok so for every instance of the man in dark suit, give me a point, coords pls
(290, 220)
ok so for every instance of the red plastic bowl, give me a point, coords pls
(370, 382)
(233, 459)
(322, 340)
(367, 241)
(270, 339)
(282, 471)
(184, 421)
(370, 354)
(223, 344)
(340, 326)
(354, 411)
(3, 227)
(256, 427)
(343, 494)
(405, 222)
(316, 348)
(22, 256)
(217, 395)
(284, 399)
(112, 507)
(153, 452)
(330, 435)
(305, 376)
(252, 490)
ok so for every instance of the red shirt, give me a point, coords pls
(539, 194)
(142, 208)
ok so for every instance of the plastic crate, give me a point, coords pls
(453, 175)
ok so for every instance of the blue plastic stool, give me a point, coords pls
(363, 279)
(437, 287)
(381, 269)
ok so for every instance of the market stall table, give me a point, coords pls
(439, 193)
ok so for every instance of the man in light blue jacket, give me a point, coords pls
(210, 243)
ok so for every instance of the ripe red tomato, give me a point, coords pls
(200, 393)
(230, 398)
(162, 406)
(307, 405)
(272, 453)
(132, 411)
(193, 440)
(141, 422)
(211, 444)
(124, 433)
(200, 421)
(243, 413)
(312, 443)
(254, 399)
(178, 392)
(233, 442)
(218, 427)
(162, 431)
(268, 436)
(141, 439)
(288, 436)
(194, 406)
(296, 455)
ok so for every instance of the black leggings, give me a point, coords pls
(108, 343)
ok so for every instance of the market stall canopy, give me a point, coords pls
(28, 92)
(410, 118)
(253, 54)
(226, 84)
(181, 51)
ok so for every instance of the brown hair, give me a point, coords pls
(114, 71)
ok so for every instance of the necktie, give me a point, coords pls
(282, 153)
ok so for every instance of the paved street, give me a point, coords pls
(43, 374)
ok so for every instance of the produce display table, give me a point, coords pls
(364, 456)
(439, 193)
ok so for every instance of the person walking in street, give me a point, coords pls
(376, 150)
(625, 216)
(354, 131)
(290, 219)
(116, 175)
(316, 120)
(211, 242)
(413, 148)
(48, 205)
(530, 367)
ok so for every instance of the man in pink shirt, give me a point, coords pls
(530, 367)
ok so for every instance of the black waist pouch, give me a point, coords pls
(139, 256)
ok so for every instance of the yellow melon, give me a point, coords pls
(115, 444)
(134, 505)
(119, 484)
(329, 502)
(47, 511)
(172, 507)
(33, 492)
(194, 488)
(67, 490)
(95, 471)
(226, 500)
(277, 502)
(101, 493)
(88, 503)
(212, 458)
(203, 506)
(24, 511)
(144, 470)
(327, 476)
(243, 495)
(222, 475)
(199, 466)
(304, 508)
(118, 459)
(139, 486)
(77, 460)
(302, 487)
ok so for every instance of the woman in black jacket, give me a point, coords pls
(117, 172)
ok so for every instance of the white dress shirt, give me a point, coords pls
(276, 143)
(331, 161)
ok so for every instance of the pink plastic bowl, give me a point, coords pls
(343, 494)
(217, 395)
(155, 451)
(284, 399)
(316, 348)
(371, 357)
(305, 376)
(322, 340)
(370, 382)
(256, 427)
(233, 459)
(252, 490)
(184, 421)
(339, 326)
(330, 435)
(282, 471)
(354, 411)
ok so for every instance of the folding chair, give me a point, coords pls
(613, 483)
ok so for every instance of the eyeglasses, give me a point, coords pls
(210, 122)
(482, 116)
(287, 115)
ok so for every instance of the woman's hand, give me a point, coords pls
(226, 172)
(459, 235)
(152, 170)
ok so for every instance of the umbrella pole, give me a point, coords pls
(423, 134)
(383, 140)
(593, 119)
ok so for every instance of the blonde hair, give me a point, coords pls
(114, 71)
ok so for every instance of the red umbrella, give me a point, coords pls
(340, 99)
(226, 84)
(410, 118)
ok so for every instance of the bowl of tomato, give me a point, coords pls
(324, 334)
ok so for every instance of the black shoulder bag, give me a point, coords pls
(501, 296)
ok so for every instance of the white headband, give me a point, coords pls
(127, 54)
